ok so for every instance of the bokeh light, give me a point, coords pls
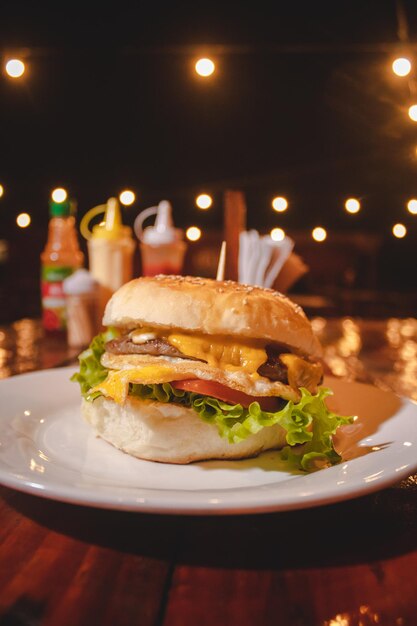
(277, 234)
(23, 220)
(127, 197)
(1, 190)
(205, 67)
(204, 201)
(401, 66)
(319, 233)
(412, 112)
(412, 206)
(280, 204)
(399, 231)
(352, 205)
(15, 68)
(59, 194)
(193, 233)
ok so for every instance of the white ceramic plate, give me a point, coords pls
(47, 449)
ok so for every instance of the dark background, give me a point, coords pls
(303, 104)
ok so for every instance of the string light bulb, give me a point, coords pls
(127, 197)
(15, 68)
(193, 233)
(59, 194)
(277, 234)
(205, 67)
(399, 231)
(319, 234)
(23, 220)
(412, 206)
(280, 204)
(412, 112)
(204, 201)
(352, 205)
(401, 66)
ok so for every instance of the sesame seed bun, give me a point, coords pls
(206, 306)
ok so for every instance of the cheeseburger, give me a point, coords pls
(192, 368)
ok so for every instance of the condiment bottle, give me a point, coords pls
(110, 249)
(59, 259)
(161, 245)
(81, 291)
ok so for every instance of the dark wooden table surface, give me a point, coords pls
(352, 563)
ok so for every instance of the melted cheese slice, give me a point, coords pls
(301, 373)
(116, 385)
(223, 353)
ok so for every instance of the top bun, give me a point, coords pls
(212, 307)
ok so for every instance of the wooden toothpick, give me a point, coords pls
(222, 262)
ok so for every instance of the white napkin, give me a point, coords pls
(260, 258)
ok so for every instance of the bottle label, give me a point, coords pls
(53, 297)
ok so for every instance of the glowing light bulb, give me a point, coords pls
(412, 112)
(205, 67)
(15, 68)
(352, 205)
(193, 233)
(401, 66)
(277, 234)
(127, 197)
(23, 220)
(1, 190)
(412, 206)
(319, 234)
(280, 204)
(59, 194)
(399, 231)
(204, 201)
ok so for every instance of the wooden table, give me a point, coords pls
(353, 563)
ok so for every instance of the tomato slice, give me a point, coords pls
(222, 392)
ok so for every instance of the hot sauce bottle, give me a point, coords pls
(60, 258)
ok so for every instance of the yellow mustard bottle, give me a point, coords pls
(110, 249)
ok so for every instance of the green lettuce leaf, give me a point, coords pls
(309, 424)
(91, 370)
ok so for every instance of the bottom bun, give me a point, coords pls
(170, 433)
